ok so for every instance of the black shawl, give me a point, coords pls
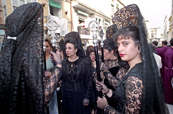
(21, 70)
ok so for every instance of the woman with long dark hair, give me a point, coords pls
(140, 90)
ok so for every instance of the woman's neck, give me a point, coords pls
(94, 64)
(47, 56)
(73, 58)
(135, 61)
(113, 57)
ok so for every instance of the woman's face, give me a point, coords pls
(48, 48)
(70, 50)
(127, 49)
(107, 54)
(92, 56)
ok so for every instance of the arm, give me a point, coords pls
(51, 83)
(170, 64)
(88, 79)
(133, 96)
(113, 80)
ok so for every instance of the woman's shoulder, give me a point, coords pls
(136, 70)
(86, 60)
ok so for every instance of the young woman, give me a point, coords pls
(76, 79)
(53, 104)
(139, 91)
(91, 53)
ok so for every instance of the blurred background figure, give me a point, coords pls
(157, 57)
(168, 73)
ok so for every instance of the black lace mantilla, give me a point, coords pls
(128, 94)
(21, 69)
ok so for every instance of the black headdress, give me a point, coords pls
(152, 98)
(110, 31)
(62, 47)
(75, 35)
(21, 64)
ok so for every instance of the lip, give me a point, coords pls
(121, 55)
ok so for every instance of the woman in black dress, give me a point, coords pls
(76, 80)
(140, 90)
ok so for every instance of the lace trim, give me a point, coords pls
(133, 94)
(51, 84)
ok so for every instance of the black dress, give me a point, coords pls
(76, 85)
(128, 94)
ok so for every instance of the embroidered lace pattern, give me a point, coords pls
(133, 95)
(105, 73)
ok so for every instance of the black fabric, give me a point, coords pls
(119, 97)
(114, 70)
(76, 85)
(110, 31)
(21, 70)
(62, 47)
(152, 98)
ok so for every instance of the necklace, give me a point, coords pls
(72, 61)
(71, 65)
(128, 71)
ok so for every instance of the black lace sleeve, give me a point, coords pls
(88, 79)
(113, 80)
(51, 84)
(133, 95)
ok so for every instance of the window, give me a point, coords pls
(112, 8)
(2, 32)
(4, 9)
(17, 3)
(55, 8)
(117, 6)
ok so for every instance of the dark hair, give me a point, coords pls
(171, 42)
(155, 43)
(90, 49)
(152, 46)
(164, 42)
(128, 32)
(110, 45)
(72, 41)
(48, 40)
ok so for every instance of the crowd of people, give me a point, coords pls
(131, 82)
(166, 54)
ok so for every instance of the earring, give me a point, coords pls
(139, 51)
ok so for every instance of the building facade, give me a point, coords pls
(155, 34)
(99, 10)
(76, 13)
(166, 28)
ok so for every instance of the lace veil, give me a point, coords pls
(110, 31)
(152, 98)
(21, 64)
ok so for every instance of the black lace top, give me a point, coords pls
(128, 94)
(76, 78)
(113, 72)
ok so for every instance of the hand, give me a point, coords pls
(101, 102)
(62, 55)
(103, 67)
(47, 74)
(85, 102)
(56, 56)
(60, 83)
(101, 87)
